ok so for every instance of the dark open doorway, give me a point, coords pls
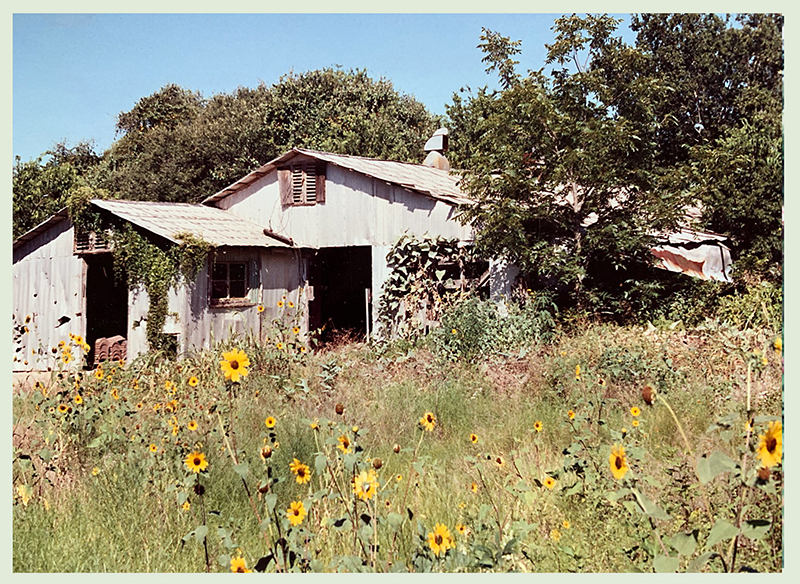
(106, 301)
(340, 276)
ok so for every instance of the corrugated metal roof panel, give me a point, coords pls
(57, 217)
(209, 223)
(431, 182)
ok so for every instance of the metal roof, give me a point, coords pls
(213, 225)
(431, 182)
(57, 217)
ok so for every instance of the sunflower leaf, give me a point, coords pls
(270, 500)
(756, 528)
(320, 462)
(697, 563)
(684, 543)
(241, 469)
(200, 533)
(666, 564)
(710, 467)
(721, 531)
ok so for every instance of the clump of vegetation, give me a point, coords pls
(609, 449)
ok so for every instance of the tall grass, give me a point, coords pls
(90, 496)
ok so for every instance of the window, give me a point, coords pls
(302, 183)
(228, 282)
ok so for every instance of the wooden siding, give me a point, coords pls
(358, 211)
(48, 283)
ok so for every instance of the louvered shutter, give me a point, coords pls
(285, 185)
(320, 181)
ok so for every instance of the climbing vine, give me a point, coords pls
(157, 270)
(420, 283)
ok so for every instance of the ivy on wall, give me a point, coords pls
(415, 293)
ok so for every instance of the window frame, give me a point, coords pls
(295, 183)
(228, 300)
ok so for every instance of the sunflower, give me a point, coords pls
(169, 386)
(303, 349)
(778, 344)
(66, 356)
(279, 346)
(344, 444)
(296, 512)
(500, 461)
(577, 372)
(62, 409)
(98, 373)
(193, 381)
(440, 539)
(239, 566)
(234, 365)
(186, 505)
(618, 462)
(453, 331)
(270, 422)
(428, 421)
(635, 411)
(473, 438)
(314, 425)
(78, 399)
(549, 482)
(153, 448)
(555, 534)
(461, 529)
(571, 415)
(635, 423)
(260, 308)
(770, 447)
(296, 330)
(196, 462)
(114, 393)
(290, 304)
(95, 471)
(365, 485)
(140, 405)
(301, 471)
(280, 303)
(192, 425)
(474, 487)
(565, 524)
(537, 425)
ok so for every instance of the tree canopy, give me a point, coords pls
(576, 169)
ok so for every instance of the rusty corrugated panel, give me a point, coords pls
(209, 223)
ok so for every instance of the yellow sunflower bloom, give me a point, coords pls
(78, 399)
(537, 425)
(635, 411)
(555, 534)
(270, 422)
(565, 524)
(618, 462)
(301, 471)
(571, 415)
(234, 365)
(296, 512)
(280, 303)
(770, 448)
(344, 444)
(62, 409)
(440, 539)
(461, 529)
(186, 506)
(279, 346)
(290, 304)
(577, 372)
(296, 330)
(778, 344)
(196, 462)
(428, 421)
(260, 308)
(153, 448)
(192, 425)
(365, 485)
(239, 566)
(473, 438)
(193, 381)
(98, 374)
(549, 482)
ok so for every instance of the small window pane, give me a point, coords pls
(219, 289)
(238, 289)
(220, 272)
(237, 272)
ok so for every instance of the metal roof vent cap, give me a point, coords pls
(435, 147)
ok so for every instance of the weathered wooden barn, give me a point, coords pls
(309, 230)
(305, 235)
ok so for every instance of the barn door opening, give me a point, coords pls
(341, 278)
(106, 302)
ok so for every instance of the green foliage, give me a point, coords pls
(158, 270)
(473, 328)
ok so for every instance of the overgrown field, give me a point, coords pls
(608, 449)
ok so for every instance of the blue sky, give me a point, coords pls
(74, 73)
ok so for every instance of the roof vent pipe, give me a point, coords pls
(436, 147)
